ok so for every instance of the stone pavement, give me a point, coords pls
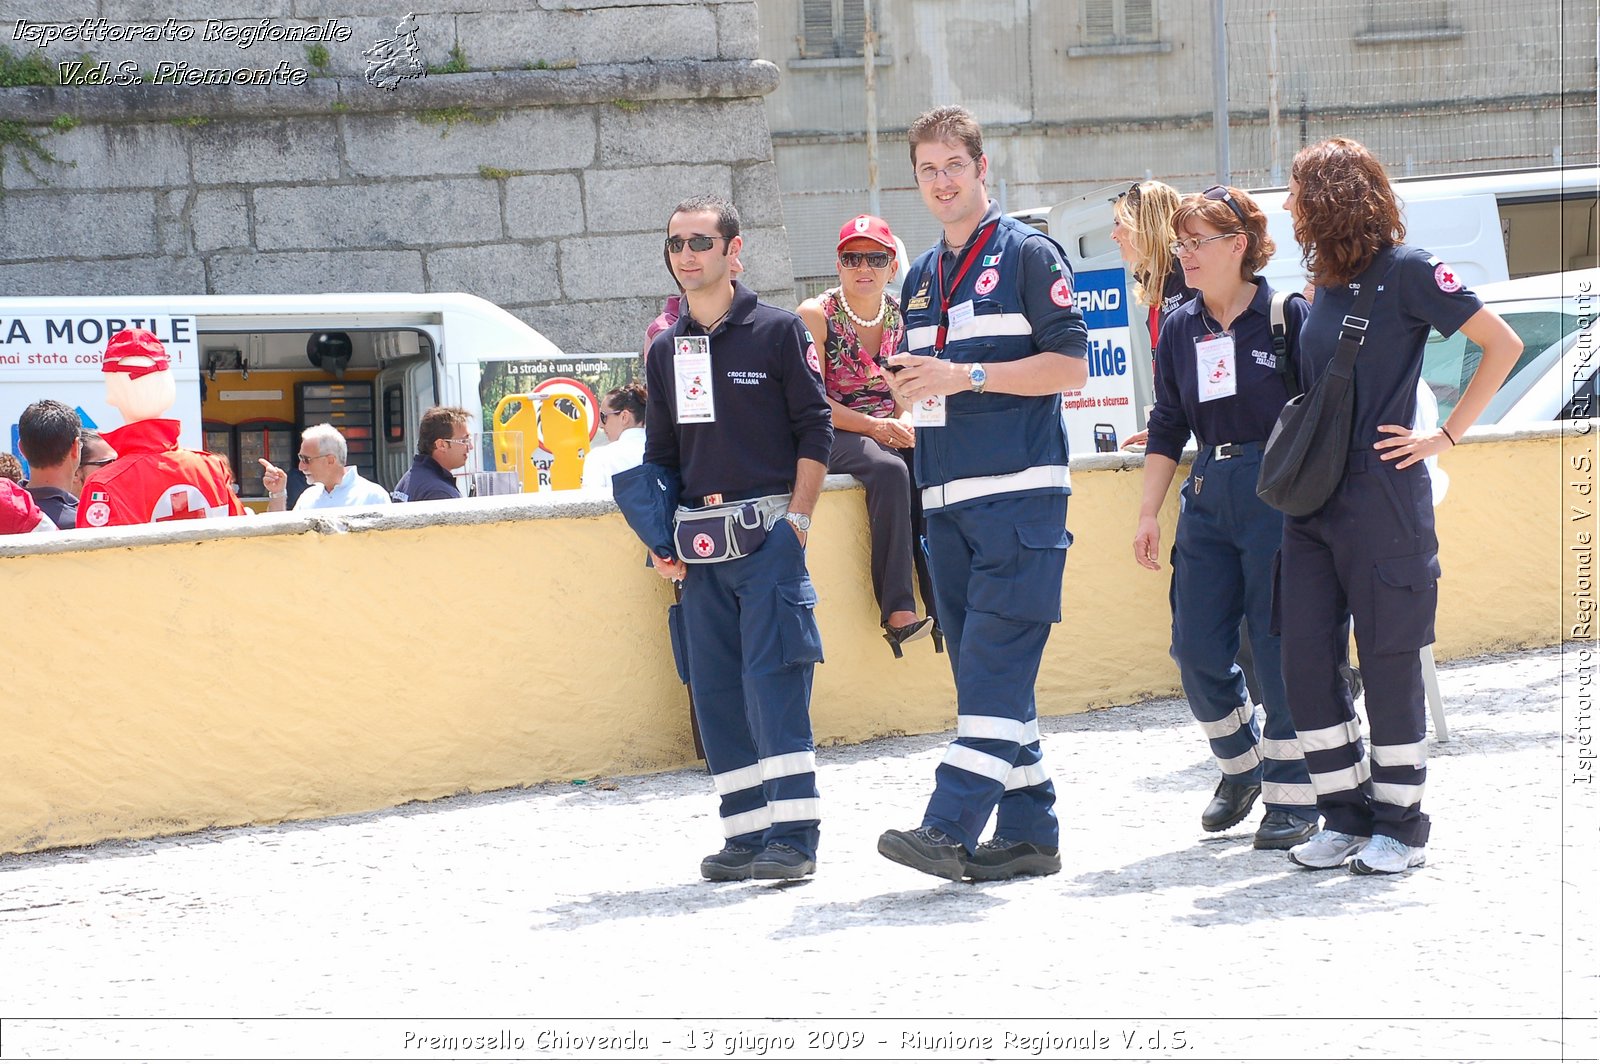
(583, 901)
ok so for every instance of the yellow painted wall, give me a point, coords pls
(263, 669)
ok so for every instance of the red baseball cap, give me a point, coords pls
(865, 225)
(135, 352)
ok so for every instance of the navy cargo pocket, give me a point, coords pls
(1405, 596)
(680, 641)
(1036, 584)
(797, 623)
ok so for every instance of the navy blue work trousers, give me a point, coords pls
(1371, 553)
(752, 642)
(997, 570)
(1222, 566)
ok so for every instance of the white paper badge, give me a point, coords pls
(961, 314)
(928, 412)
(1214, 368)
(691, 367)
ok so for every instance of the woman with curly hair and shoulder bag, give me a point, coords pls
(1370, 552)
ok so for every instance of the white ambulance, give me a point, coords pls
(1488, 227)
(253, 371)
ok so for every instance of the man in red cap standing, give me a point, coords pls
(153, 479)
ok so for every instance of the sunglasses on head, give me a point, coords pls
(696, 243)
(1132, 195)
(876, 259)
(1220, 192)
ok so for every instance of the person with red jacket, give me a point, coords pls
(153, 479)
(19, 513)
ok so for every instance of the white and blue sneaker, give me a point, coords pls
(1384, 856)
(1327, 849)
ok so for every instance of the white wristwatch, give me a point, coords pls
(977, 377)
(799, 521)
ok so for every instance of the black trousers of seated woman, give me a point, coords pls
(894, 517)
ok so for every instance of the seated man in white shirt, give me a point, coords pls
(322, 458)
(622, 416)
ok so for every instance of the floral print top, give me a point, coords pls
(849, 379)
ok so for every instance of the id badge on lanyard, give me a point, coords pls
(929, 411)
(1214, 369)
(691, 370)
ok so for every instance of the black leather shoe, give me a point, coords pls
(1280, 830)
(927, 850)
(779, 861)
(1231, 805)
(729, 864)
(906, 633)
(1006, 859)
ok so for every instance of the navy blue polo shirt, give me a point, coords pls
(1260, 390)
(59, 506)
(426, 479)
(766, 386)
(1421, 293)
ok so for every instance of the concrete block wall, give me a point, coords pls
(540, 177)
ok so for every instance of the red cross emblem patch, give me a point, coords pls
(703, 545)
(1446, 278)
(1061, 293)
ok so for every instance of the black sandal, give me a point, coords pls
(908, 633)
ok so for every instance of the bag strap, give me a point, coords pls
(1353, 331)
(1280, 342)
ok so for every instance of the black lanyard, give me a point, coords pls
(944, 298)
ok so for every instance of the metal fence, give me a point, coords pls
(1074, 100)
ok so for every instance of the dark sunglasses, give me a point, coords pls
(876, 259)
(1220, 192)
(696, 243)
(308, 458)
(1132, 195)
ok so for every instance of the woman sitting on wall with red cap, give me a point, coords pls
(858, 324)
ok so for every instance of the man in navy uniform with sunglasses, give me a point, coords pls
(735, 406)
(993, 337)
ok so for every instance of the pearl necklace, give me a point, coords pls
(863, 323)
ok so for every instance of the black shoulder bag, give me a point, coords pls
(1306, 455)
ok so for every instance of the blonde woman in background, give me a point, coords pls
(1142, 230)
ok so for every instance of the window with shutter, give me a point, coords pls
(1118, 21)
(832, 28)
(1399, 16)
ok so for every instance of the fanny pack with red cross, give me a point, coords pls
(726, 531)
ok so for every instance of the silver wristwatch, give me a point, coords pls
(799, 521)
(977, 377)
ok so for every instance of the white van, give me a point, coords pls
(253, 371)
(1488, 227)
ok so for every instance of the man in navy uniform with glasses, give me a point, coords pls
(993, 337)
(736, 410)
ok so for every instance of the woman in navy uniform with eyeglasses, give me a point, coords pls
(1371, 551)
(1218, 376)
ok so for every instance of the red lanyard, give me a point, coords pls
(944, 298)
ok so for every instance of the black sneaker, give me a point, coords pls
(927, 850)
(731, 862)
(1006, 859)
(779, 861)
